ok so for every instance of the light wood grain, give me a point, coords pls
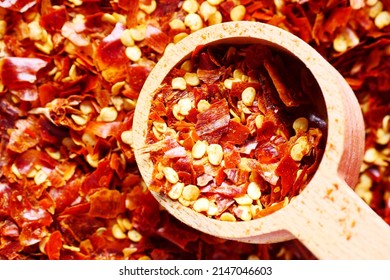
(327, 217)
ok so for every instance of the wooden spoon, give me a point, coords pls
(328, 217)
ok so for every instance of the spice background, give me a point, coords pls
(71, 72)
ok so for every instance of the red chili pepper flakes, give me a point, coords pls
(367, 76)
(224, 123)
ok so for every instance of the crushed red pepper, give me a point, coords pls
(276, 147)
(58, 146)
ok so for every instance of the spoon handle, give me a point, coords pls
(339, 225)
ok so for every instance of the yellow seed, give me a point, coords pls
(185, 105)
(107, 114)
(199, 149)
(42, 244)
(201, 205)
(178, 37)
(238, 13)
(192, 79)
(117, 102)
(35, 31)
(133, 53)
(92, 160)
(177, 24)
(76, 2)
(244, 200)
(40, 177)
(109, 18)
(187, 66)
(382, 19)
(215, 154)
(193, 22)
(190, 192)
(300, 148)
(179, 83)
(138, 33)
(244, 212)
(190, 6)
(253, 191)
(215, 18)
(117, 232)
(127, 224)
(340, 43)
(134, 235)
(248, 96)
(184, 202)
(86, 107)
(176, 190)
(148, 8)
(206, 10)
(375, 9)
(127, 252)
(161, 127)
(213, 209)
(88, 139)
(259, 121)
(371, 2)
(301, 124)
(144, 258)
(127, 137)
(203, 105)
(215, 2)
(171, 175)
(371, 155)
(129, 104)
(53, 153)
(228, 83)
(78, 119)
(126, 38)
(176, 112)
(227, 217)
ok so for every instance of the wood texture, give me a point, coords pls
(327, 217)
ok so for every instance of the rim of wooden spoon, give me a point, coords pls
(344, 149)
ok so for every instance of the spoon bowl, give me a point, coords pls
(328, 217)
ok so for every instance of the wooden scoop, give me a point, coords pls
(328, 217)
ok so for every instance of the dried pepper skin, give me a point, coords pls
(61, 64)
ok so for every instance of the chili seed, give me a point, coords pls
(179, 83)
(148, 8)
(178, 37)
(382, 19)
(190, 6)
(227, 217)
(107, 114)
(244, 200)
(206, 10)
(193, 22)
(134, 235)
(191, 79)
(190, 192)
(253, 191)
(40, 177)
(138, 33)
(215, 154)
(177, 24)
(203, 105)
(238, 13)
(117, 232)
(79, 120)
(244, 212)
(126, 38)
(176, 190)
(127, 137)
(171, 175)
(199, 149)
(213, 209)
(301, 124)
(215, 18)
(201, 205)
(300, 148)
(248, 96)
(133, 53)
(215, 2)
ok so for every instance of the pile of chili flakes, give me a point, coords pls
(69, 184)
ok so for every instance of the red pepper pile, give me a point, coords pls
(69, 185)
